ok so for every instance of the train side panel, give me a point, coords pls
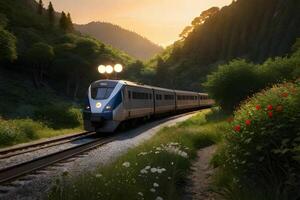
(138, 102)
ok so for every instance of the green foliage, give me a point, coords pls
(172, 149)
(59, 116)
(51, 14)
(7, 46)
(40, 53)
(261, 150)
(234, 82)
(16, 131)
(40, 7)
(65, 22)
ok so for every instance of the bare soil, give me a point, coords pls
(199, 181)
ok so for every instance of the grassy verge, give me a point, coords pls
(18, 131)
(153, 170)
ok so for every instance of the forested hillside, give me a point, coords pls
(250, 29)
(43, 46)
(125, 40)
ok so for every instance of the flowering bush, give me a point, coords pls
(262, 145)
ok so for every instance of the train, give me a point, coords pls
(112, 102)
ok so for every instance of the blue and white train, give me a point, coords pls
(111, 102)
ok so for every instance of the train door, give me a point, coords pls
(127, 100)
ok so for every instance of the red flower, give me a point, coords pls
(258, 107)
(270, 107)
(285, 94)
(270, 114)
(279, 108)
(237, 128)
(248, 122)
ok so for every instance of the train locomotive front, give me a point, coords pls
(103, 107)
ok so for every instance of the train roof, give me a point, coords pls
(130, 83)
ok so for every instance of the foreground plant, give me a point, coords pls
(261, 154)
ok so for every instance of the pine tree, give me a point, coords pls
(63, 22)
(51, 14)
(40, 7)
(70, 23)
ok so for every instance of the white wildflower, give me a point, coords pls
(126, 164)
(152, 190)
(169, 178)
(144, 171)
(141, 194)
(98, 175)
(159, 198)
(142, 153)
(147, 167)
(155, 185)
(153, 170)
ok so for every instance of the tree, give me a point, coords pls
(51, 14)
(70, 23)
(3, 21)
(8, 50)
(63, 22)
(40, 56)
(40, 8)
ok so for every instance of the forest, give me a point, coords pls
(48, 50)
(253, 30)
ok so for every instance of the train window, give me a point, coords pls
(168, 97)
(101, 93)
(150, 96)
(129, 94)
(140, 95)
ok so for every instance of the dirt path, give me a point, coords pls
(200, 178)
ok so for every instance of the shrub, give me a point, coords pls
(16, 131)
(232, 83)
(262, 145)
(59, 116)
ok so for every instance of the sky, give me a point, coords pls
(161, 21)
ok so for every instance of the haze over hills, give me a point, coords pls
(118, 37)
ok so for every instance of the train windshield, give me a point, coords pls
(101, 93)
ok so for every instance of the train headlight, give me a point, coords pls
(109, 69)
(98, 105)
(118, 68)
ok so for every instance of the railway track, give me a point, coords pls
(13, 172)
(10, 152)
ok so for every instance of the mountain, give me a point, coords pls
(125, 40)
(254, 30)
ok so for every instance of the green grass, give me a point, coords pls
(18, 131)
(170, 151)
